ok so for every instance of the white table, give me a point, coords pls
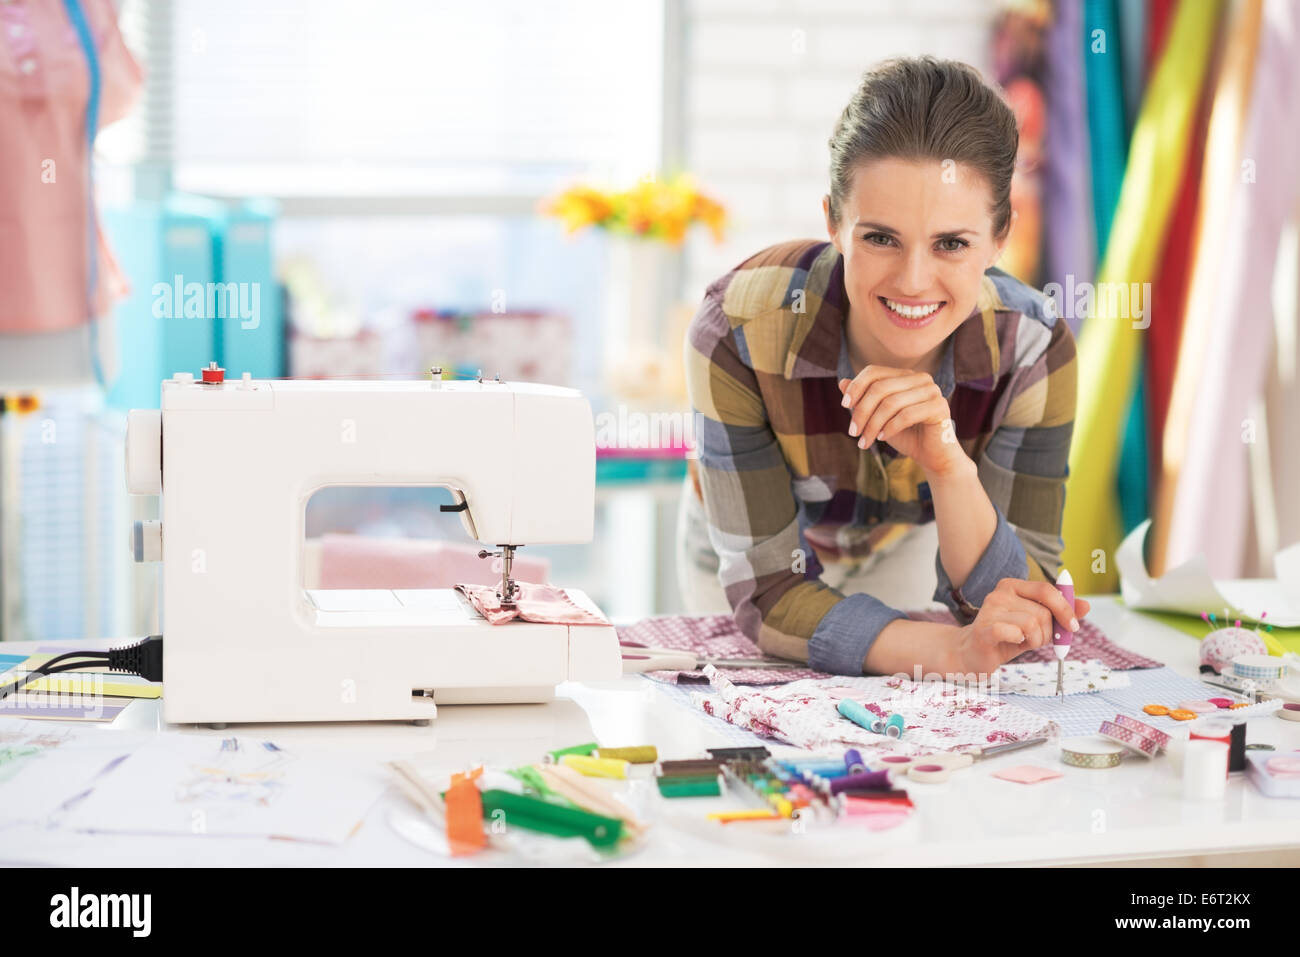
(1127, 814)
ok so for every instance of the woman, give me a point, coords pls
(884, 384)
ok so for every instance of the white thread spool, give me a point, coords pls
(1204, 762)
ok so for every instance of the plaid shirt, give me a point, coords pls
(781, 479)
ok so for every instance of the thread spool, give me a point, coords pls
(853, 762)
(595, 767)
(856, 713)
(894, 726)
(1237, 748)
(1205, 763)
(689, 768)
(647, 754)
(1219, 732)
(866, 781)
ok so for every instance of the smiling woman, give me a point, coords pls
(855, 395)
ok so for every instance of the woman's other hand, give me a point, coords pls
(1016, 616)
(906, 409)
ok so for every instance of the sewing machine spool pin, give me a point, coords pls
(509, 589)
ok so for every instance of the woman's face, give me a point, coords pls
(916, 237)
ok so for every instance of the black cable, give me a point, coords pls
(96, 658)
(144, 658)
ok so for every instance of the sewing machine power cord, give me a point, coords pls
(143, 658)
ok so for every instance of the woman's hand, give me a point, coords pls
(906, 409)
(1016, 616)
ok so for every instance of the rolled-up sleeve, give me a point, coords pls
(1024, 468)
(766, 567)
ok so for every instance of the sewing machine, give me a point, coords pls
(236, 462)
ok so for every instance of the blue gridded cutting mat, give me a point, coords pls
(1081, 714)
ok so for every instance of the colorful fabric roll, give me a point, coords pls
(1069, 246)
(1265, 196)
(1221, 171)
(1108, 346)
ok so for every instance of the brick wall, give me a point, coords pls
(764, 82)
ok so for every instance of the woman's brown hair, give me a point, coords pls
(924, 108)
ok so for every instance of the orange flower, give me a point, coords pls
(652, 208)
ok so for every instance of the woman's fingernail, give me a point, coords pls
(848, 401)
(1074, 624)
(862, 442)
(853, 428)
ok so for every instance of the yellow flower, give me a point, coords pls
(652, 208)
(578, 207)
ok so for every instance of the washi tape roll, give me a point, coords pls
(1147, 747)
(1259, 667)
(1091, 752)
(1144, 729)
(1289, 711)
(1284, 766)
(928, 773)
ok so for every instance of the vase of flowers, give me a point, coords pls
(646, 224)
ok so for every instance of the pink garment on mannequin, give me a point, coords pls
(44, 88)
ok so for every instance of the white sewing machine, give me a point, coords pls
(236, 463)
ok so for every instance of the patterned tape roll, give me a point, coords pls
(1091, 752)
(1259, 667)
(1144, 729)
(1133, 740)
(928, 773)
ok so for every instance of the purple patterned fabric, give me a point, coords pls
(1069, 247)
(719, 636)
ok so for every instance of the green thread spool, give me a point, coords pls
(689, 787)
(585, 750)
(519, 810)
